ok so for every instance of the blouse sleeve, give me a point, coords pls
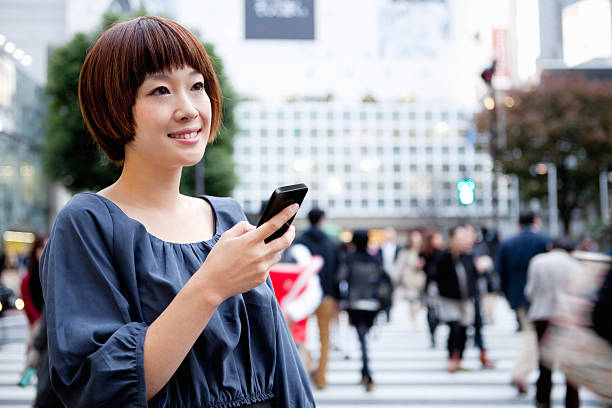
(95, 349)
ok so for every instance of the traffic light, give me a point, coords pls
(466, 191)
(487, 74)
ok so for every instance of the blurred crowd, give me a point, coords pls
(457, 277)
(561, 298)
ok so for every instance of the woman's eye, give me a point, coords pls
(162, 90)
(198, 86)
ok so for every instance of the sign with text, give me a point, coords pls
(279, 19)
(501, 53)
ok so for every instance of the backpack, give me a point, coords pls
(371, 283)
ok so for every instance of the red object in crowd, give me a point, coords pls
(289, 282)
(31, 312)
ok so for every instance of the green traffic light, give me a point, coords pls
(466, 191)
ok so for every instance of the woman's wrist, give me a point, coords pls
(201, 288)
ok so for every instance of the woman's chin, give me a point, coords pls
(192, 159)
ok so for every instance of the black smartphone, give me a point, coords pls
(280, 199)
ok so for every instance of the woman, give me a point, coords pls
(455, 275)
(154, 298)
(433, 244)
(409, 273)
(362, 271)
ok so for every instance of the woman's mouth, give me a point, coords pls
(191, 135)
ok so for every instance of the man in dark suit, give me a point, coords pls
(320, 244)
(512, 261)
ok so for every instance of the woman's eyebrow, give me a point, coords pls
(159, 75)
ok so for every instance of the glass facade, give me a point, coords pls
(24, 193)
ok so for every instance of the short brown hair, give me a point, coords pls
(117, 65)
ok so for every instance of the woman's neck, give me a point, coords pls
(147, 186)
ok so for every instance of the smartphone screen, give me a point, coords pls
(280, 199)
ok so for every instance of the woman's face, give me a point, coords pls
(437, 241)
(416, 240)
(172, 116)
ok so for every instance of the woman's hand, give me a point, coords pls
(240, 261)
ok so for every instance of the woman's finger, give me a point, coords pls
(276, 222)
(283, 241)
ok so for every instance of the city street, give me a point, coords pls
(407, 372)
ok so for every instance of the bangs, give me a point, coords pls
(156, 47)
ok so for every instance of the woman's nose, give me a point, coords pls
(185, 110)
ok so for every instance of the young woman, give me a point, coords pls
(361, 271)
(409, 274)
(154, 298)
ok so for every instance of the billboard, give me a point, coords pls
(279, 19)
(587, 31)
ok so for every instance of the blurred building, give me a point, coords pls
(23, 192)
(29, 30)
(371, 106)
(367, 164)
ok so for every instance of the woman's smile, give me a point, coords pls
(176, 103)
(187, 136)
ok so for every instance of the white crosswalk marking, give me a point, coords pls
(13, 336)
(407, 372)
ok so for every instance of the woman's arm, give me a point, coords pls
(239, 262)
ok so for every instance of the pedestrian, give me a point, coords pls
(362, 271)
(455, 275)
(37, 353)
(154, 298)
(31, 293)
(602, 309)
(482, 265)
(489, 297)
(388, 252)
(433, 245)
(409, 275)
(318, 243)
(547, 278)
(512, 261)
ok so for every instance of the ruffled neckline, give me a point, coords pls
(208, 242)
